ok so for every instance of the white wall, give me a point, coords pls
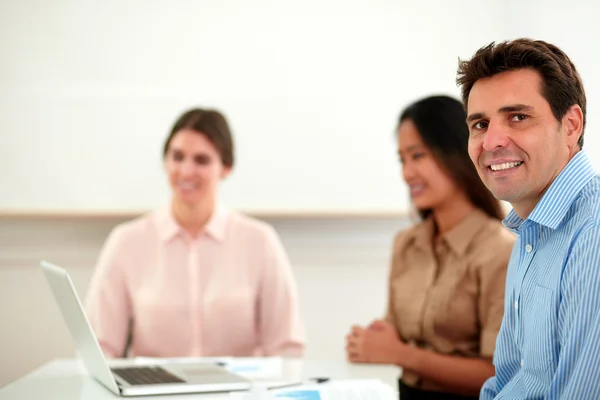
(341, 267)
(312, 88)
(572, 26)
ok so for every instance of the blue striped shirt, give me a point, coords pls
(548, 346)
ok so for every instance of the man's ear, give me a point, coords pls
(573, 123)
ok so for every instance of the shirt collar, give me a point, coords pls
(556, 202)
(512, 221)
(216, 227)
(217, 224)
(458, 238)
(422, 234)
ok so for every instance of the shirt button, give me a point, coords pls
(528, 248)
(522, 363)
(516, 305)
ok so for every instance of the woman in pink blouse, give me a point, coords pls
(195, 279)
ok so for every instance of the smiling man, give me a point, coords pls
(526, 111)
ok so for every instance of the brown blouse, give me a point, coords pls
(447, 296)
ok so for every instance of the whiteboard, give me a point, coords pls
(312, 91)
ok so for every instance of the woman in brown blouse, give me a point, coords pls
(446, 286)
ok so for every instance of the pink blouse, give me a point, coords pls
(228, 292)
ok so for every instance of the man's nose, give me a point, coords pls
(496, 136)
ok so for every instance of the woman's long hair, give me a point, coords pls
(441, 123)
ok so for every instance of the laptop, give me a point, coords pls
(132, 379)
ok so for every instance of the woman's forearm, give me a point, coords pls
(458, 374)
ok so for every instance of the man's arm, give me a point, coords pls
(489, 389)
(578, 373)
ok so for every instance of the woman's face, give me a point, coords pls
(430, 186)
(194, 167)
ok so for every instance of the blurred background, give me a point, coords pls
(312, 90)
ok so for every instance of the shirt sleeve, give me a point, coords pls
(108, 303)
(577, 375)
(492, 285)
(280, 327)
(489, 390)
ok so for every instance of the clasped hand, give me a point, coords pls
(377, 343)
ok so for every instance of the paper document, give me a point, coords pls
(367, 389)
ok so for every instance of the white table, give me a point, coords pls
(66, 379)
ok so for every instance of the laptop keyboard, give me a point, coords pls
(146, 375)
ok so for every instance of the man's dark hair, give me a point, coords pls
(561, 84)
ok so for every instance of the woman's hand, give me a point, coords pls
(378, 343)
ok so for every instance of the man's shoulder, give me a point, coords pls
(582, 239)
(581, 230)
(581, 222)
(586, 208)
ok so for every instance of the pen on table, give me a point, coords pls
(317, 380)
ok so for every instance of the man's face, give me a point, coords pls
(515, 142)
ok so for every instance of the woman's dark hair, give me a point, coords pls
(210, 123)
(440, 121)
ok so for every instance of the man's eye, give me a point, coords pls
(518, 117)
(480, 125)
